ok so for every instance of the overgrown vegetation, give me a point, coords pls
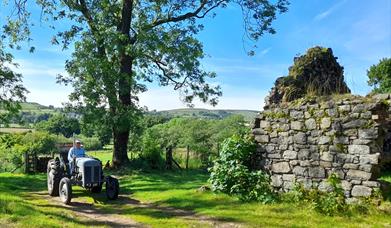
(234, 173)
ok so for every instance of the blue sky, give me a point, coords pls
(358, 31)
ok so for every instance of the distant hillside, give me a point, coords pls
(38, 109)
(208, 114)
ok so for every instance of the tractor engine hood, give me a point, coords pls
(82, 162)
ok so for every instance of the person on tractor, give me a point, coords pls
(75, 152)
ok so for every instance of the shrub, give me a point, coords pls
(233, 174)
(151, 151)
(328, 203)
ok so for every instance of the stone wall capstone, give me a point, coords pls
(307, 140)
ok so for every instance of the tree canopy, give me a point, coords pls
(122, 45)
(380, 76)
(12, 90)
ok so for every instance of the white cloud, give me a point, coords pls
(165, 98)
(329, 11)
(29, 68)
(49, 97)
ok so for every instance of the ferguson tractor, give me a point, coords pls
(86, 172)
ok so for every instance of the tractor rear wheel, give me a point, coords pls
(112, 188)
(65, 188)
(54, 174)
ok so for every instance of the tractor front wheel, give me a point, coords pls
(65, 188)
(112, 188)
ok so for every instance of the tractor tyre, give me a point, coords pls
(54, 174)
(65, 190)
(112, 188)
(97, 189)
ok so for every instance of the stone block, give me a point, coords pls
(370, 159)
(327, 156)
(354, 124)
(310, 124)
(262, 138)
(361, 141)
(289, 154)
(317, 172)
(350, 166)
(296, 125)
(373, 184)
(325, 123)
(300, 171)
(361, 191)
(358, 149)
(300, 138)
(276, 180)
(303, 154)
(281, 167)
(323, 140)
(264, 124)
(296, 114)
(346, 185)
(358, 175)
(344, 108)
(325, 164)
(288, 177)
(371, 133)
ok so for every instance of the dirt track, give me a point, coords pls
(99, 217)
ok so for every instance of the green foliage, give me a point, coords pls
(13, 146)
(331, 203)
(232, 172)
(201, 135)
(12, 91)
(379, 76)
(60, 124)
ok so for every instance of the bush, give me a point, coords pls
(13, 146)
(151, 152)
(232, 172)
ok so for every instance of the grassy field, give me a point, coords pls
(153, 197)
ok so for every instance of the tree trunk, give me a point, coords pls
(121, 128)
(120, 154)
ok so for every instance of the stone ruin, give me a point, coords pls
(315, 73)
(307, 139)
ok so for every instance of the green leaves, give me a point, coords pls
(12, 91)
(232, 172)
(380, 76)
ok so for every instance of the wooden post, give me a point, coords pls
(187, 157)
(26, 162)
(169, 158)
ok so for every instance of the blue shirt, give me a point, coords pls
(74, 152)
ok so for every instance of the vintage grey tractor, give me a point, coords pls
(87, 172)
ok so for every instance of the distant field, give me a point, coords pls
(15, 130)
(209, 114)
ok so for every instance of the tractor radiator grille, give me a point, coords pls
(91, 174)
(87, 174)
(96, 174)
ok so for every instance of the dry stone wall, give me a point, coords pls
(307, 140)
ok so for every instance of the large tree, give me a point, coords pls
(119, 45)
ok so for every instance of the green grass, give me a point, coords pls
(148, 197)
